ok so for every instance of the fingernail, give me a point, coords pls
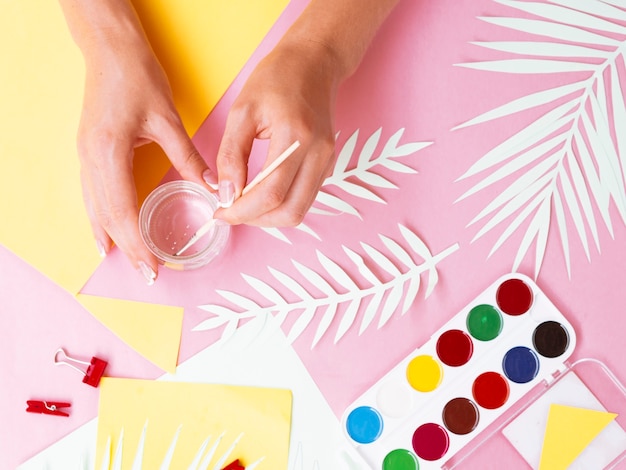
(227, 193)
(101, 249)
(210, 178)
(147, 272)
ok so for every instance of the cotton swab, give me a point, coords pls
(204, 229)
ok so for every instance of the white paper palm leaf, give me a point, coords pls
(359, 179)
(389, 281)
(567, 166)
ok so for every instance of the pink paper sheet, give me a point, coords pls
(407, 80)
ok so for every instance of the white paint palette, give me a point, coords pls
(470, 372)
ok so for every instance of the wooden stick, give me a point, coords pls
(256, 180)
(271, 167)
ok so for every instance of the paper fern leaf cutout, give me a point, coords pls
(390, 282)
(358, 180)
(568, 165)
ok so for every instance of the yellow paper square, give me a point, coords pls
(261, 416)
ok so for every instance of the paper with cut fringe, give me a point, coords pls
(569, 165)
(341, 295)
(167, 425)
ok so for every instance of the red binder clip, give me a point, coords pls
(236, 465)
(95, 368)
(47, 407)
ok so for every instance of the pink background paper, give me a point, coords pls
(407, 80)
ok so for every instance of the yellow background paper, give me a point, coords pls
(568, 432)
(263, 415)
(202, 45)
(152, 330)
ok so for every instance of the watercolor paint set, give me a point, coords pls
(439, 400)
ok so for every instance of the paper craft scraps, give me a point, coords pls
(568, 432)
(180, 424)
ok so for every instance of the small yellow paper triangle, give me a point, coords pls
(152, 330)
(568, 432)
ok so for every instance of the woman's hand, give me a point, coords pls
(127, 103)
(291, 96)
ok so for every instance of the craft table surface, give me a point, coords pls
(408, 80)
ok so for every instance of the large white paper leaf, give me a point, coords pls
(533, 100)
(553, 30)
(536, 177)
(594, 7)
(562, 225)
(578, 183)
(600, 193)
(336, 288)
(579, 140)
(530, 66)
(514, 165)
(544, 49)
(572, 204)
(521, 217)
(541, 186)
(535, 132)
(569, 16)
